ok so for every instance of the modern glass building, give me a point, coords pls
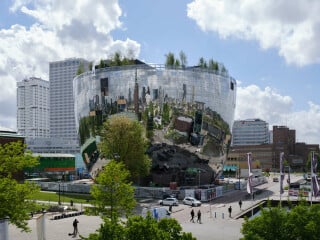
(250, 132)
(95, 89)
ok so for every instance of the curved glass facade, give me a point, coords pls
(216, 90)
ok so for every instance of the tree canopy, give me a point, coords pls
(13, 195)
(138, 227)
(113, 194)
(301, 222)
(123, 140)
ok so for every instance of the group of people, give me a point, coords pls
(198, 216)
(192, 213)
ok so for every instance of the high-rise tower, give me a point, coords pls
(62, 118)
(33, 108)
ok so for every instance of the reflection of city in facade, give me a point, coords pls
(94, 90)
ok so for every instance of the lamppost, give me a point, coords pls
(239, 173)
(59, 195)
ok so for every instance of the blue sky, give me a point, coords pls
(270, 47)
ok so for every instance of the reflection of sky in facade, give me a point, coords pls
(202, 86)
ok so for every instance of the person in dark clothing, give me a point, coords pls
(192, 216)
(240, 204)
(199, 217)
(75, 227)
(230, 211)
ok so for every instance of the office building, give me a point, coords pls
(33, 108)
(62, 116)
(250, 132)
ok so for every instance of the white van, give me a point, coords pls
(156, 212)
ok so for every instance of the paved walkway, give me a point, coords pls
(216, 223)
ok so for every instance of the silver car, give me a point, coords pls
(170, 201)
(191, 201)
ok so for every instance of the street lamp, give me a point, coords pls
(59, 195)
(239, 173)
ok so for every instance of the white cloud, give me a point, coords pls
(291, 27)
(61, 29)
(272, 107)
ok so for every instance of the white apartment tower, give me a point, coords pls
(62, 118)
(250, 132)
(33, 108)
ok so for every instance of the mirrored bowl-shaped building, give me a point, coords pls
(139, 83)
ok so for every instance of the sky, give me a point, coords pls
(271, 48)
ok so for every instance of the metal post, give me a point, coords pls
(4, 226)
(239, 174)
(311, 174)
(44, 224)
(59, 195)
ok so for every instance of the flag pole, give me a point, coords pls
(314, 178)
(281, 176)
(249, 182)
(311, 173)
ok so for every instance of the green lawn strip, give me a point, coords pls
(64, 197)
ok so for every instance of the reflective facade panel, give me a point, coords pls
(216, 90)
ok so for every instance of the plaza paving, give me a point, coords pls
(216, 223)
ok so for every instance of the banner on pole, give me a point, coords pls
(314, 177)
(249, 182)
(281, 173)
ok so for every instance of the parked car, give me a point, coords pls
(191, 201)
(164, 196)
(170, 201)
(275, 179)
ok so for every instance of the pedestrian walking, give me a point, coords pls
(199, 216)
(192, 216)
(240, 204)
(75, 228)
(230, 211)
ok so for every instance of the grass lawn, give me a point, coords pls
(64, 197)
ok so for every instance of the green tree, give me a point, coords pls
(177, 63)
(113, 194)
(116, 60)
(202, 63)
(166, 113)
(213, 65)
(183, 59)
(80, 68)
(90, 66)
(123, 137)
(14, 195)
(149, 228)
(170, 60)
(301, 222)
(270, 225)
(137, 227)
